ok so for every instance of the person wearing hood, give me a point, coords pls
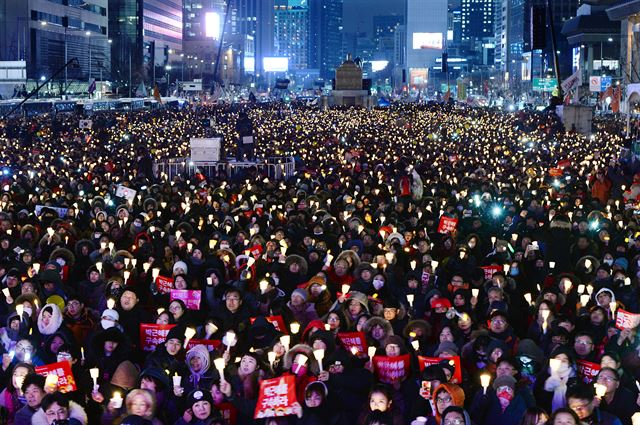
(445, 395)
(298, 309)
(131, 314)
(50, 322)
(502, 403)
(56, 408)
(10, 334)
(166, 355)
(380, 401)
(319, 295)
(318, 407)
(241, 386)
(455, 415)
(215, 288)
(199, 410)
(109, 348)
(198, 361)
(552, 383)
(92, 288)
(78, 318)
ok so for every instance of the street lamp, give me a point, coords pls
(168, 69)
(88, 34)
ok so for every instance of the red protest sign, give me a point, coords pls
(447, 224)
(587, 371)
(428, 361)
(555, 172)
(354, 342)
(190, 298)
(211, 344)
(626, 320)
(66, 381)
(277, 397)
(164, 284)
(152, 335)
(390, 370)
(228, 412)
(564, 163)
(276, 321)
(490, 270)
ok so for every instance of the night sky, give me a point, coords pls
(358, 14)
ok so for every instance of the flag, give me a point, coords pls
(92, 87)
(572, 82)
(617, 97)
(607, 93)
(447, 95)
(141, 91)
(567, 98)
(156, 94)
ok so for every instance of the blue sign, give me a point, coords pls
(605, 82)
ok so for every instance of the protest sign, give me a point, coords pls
(447, 225)
(276, 321)
(354, 342)
(164, 284)
(152, 335)
(66, 381)
(125, 192)
(211, 344)
(62, 212)
(428, 361)
(391, 369)
(277, 397)
(490, 270)
(626, 320)
(190, 298)
(587, 371)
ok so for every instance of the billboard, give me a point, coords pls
(418, 76)
(249, 64)
(378, 65)
(212, 25)
(275, 64)
(427, 40)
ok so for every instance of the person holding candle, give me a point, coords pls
(380, 401)
(166, 355)
(617, 400)
(132, 314)
(11, 397)
(241, 386)
(551, 384)
(92, 288)
(299, 310)
(200, 410)
(33, 389)
(501, 404)
(78, 318)
(57, 408)
(580, 399)
(445, 395)
(109, 348)
(198, 361)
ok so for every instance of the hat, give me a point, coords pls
(440, 303)
(528, 348)
(301, 292)
(504, 381)
(111, 314)
(316, 280)
(198, 395)
(158, 374)
(180, 265)
(446, 346)
(126, 375)
(434, 373)
(177, 332)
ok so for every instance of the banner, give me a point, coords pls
(390, 370)
(276, 321)
(587, 371)
(454, 361)
(490, 270)
(277, 397)
(62, 212)
(152, 335)
(125, 192)
(354, 342)
(211, 344)
(447, 224)
(190, 298)
(626, 320)
(66, 381)
(555, 172)
(164, 284)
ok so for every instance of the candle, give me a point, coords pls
(613, 306)
(219, 364)
(410, 298)
(5, 291)
(271, 355)
(285, 340)
(36, 267)
(20, 310)
(554, 364)
(527, 297)
(94, 372)
(345, 289)
(552, 264)
(371, 351)
(475, 292)
(116, 400)
(126, 274)
(354, 350)
(434, 265)
(82, 353)
(145, 267)
(295, 327)
(301, 361)
(111, 303)
(230, 340)
(188, 334)
(635, 419)
(177, 379)
(601, 390)
(155, 273)
(413, 264)
(581, 288)
(51, 381)
(99, 266)
(416, 345)
(485, 379)
(319, 355)
(263, 286)
(587, 264)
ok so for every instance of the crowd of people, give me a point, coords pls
(425, 264)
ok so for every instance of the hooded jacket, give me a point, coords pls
(76, 412)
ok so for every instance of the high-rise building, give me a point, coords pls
(254, 18)
(385, 26)
(325, 41)
(501, 21)
(478, 19)
(147, 36)
(48, 34)
(291, 32)
(426, 37)
(203, 26)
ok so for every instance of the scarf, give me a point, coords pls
(557, 383)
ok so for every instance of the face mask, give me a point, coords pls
(378, 284)
(514, 271)
(28, 310)
(505, 396)
(61, 262)
(608, 261)
(106, 324)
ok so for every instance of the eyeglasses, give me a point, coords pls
(498, 321)
(585, 343)
(607, 379)
(580, 407)
(74, 303)
(443, 400)
(232, 299)
(453, 422)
